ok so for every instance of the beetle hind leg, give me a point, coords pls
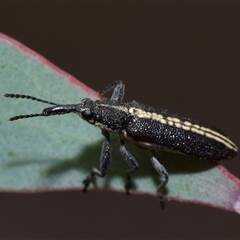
(164, 174)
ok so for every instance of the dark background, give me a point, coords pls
(181, 56)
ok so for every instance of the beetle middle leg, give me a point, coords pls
(105, 160)
(163, 173)
(132, 162)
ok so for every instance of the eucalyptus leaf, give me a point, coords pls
(58, 152)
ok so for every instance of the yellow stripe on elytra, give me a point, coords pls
(185, 125)
(120, 108)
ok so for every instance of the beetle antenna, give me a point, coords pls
(44, 113)
(11, 95)
(26, 116)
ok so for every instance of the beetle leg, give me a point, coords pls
(118, 92)
(105, 160)
(131, 161)
(163, 173)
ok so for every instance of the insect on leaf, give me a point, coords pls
(44, 154)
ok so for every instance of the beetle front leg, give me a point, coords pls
(132, 162)
(118, 91)
(105, 160)
(164, 174)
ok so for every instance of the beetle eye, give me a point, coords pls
(87, 114)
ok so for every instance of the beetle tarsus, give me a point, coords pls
(162, 200)
(86, 183)
(128, 184)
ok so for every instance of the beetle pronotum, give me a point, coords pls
(143, 126)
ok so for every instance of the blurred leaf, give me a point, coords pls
(42, 154)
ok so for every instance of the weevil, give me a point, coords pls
(144, 126)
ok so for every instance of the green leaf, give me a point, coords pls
(58, 152)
